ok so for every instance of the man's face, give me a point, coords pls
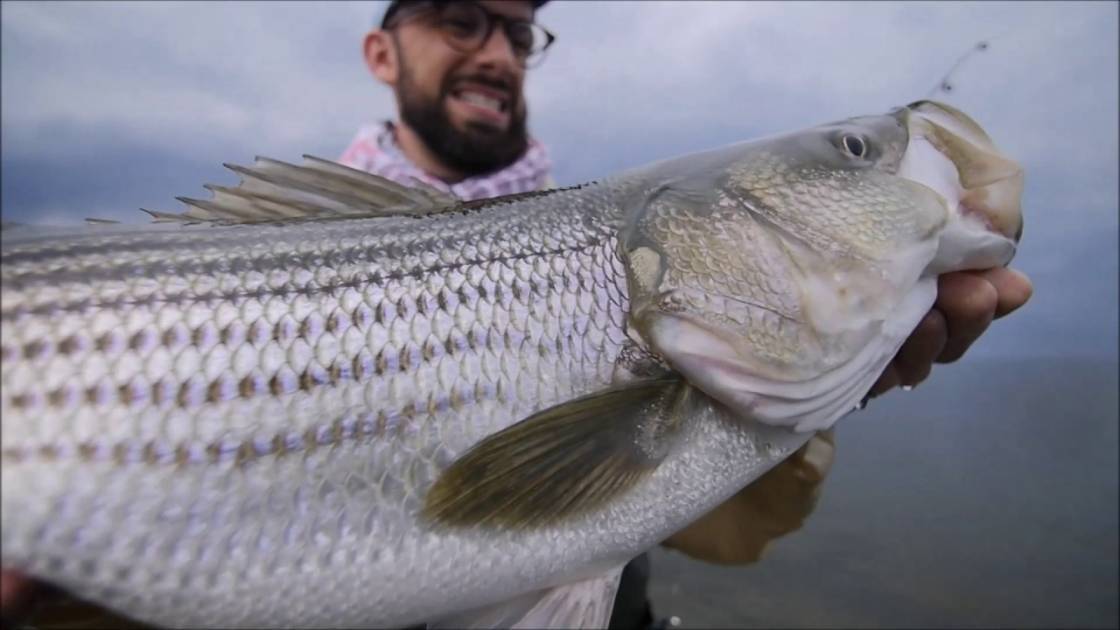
(467, 107)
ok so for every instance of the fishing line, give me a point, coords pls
(945, 84)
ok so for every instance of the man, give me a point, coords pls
(457, 70)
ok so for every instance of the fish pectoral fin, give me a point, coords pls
(271, 190)
(584, 604)
(564, 460)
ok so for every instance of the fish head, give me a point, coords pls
(810, 241)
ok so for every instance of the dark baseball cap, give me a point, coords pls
(395, 4)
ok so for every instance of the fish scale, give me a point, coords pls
(394, 408)
(195, 436)
(210, 424)
(405, 323)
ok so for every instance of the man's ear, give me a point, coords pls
(381, 56)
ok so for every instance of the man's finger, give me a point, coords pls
(887, 380)
(968, 301)
(915, 359)
(1013, 288)
(16, 594)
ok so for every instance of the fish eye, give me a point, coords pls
(855, 145)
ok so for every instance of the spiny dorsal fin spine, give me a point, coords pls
(418, 193)
(165, 217)
(275, 207)
(308, 202)
(200, 210)
(300, 187)
(272, 190)
(328, 184)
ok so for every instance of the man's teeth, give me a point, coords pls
(481, 100)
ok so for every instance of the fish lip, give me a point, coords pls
(998, 179)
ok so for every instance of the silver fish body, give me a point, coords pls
(238, 425)
(290, 391)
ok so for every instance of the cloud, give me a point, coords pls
(110, 106)
(185, 75)
(764, 68)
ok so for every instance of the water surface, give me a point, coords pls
(985, 497)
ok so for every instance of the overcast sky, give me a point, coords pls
(107, 107)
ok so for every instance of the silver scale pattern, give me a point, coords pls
(316, 359)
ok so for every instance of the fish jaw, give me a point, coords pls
(799, 401)
(949, 153)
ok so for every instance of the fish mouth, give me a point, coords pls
(968, 170)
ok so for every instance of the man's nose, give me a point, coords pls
(498, 51)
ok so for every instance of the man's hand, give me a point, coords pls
(26, 602)
(777, 503)
(967, 302)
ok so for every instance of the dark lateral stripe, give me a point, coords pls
(166, 241)
(162, 242)
(225, 265)
(353, 426)
(181, 242)
(420, 244)
(288, 330)
(358, 282)
(234, 263)
(364, 365)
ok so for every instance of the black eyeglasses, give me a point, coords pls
(467, 26)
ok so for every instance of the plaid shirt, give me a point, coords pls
(375, 150)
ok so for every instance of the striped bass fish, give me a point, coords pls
(320, 398)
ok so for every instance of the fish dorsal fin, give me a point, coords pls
(272, 190)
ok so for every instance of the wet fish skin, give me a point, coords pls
(167, 488)
(168, 322)
(444, 330)
(237, 425)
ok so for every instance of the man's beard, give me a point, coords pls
(476, 150)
